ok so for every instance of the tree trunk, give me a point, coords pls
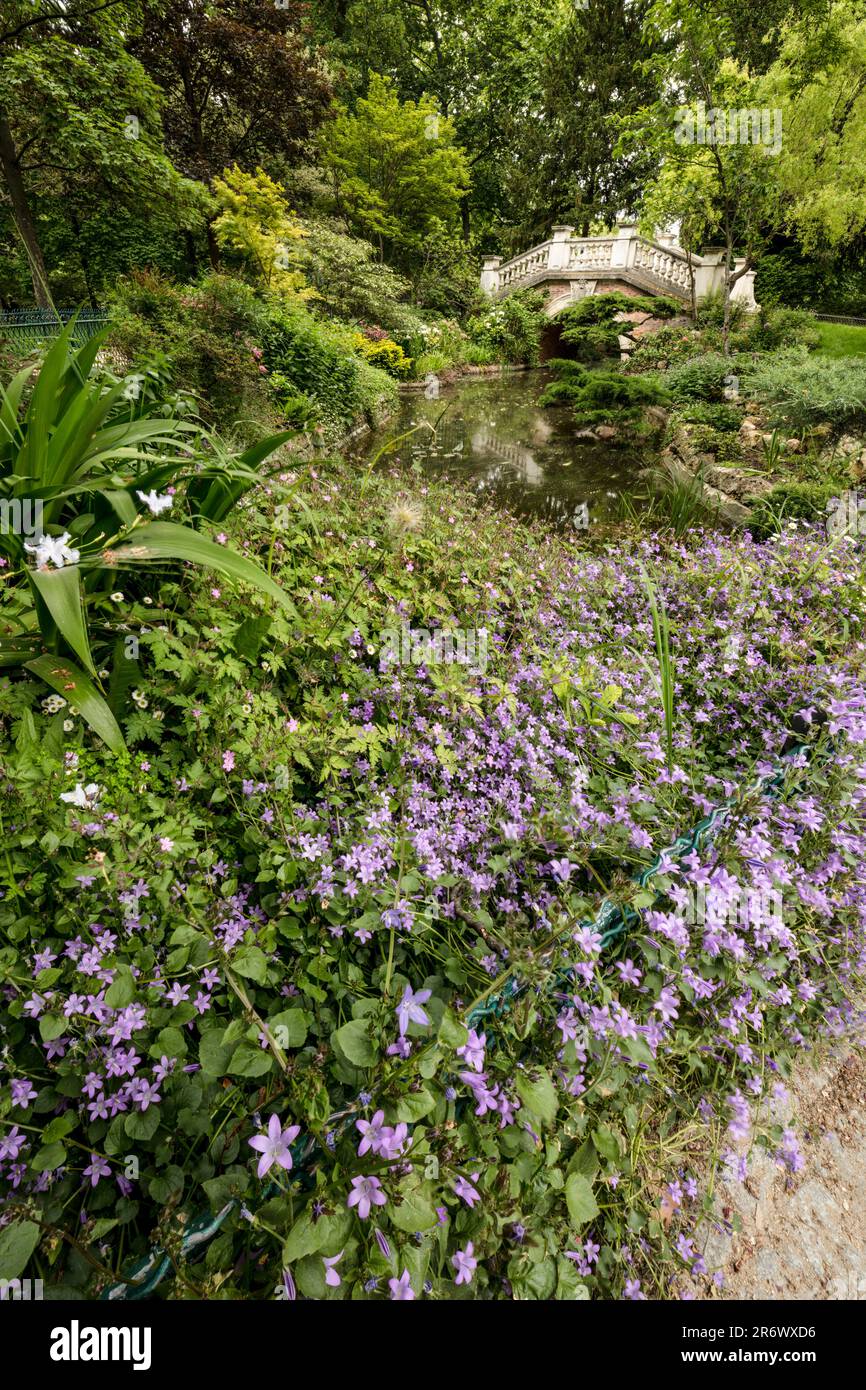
(85, 264)
(212, 247)
(464, 216)
(22, 216)
(191, 257)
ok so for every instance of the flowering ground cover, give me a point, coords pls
(248, 966)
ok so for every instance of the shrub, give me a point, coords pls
(722, 417)
(590, 326)
(447, 281)
(350, 283)
(511, 328)
(800, 390)
(670, 345)
(208, 334)
(319, 361)
(103, 465)
(600, 397)
(700, 378)
(383, 352)
(777, 327)
(791, 501)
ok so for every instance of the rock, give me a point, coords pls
(794, 446)
(849, 445)
(605, 432)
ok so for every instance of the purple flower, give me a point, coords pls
(12, 1143)
(465, 1264)
(332, 1278)
(472, 1050)
(371, 1133)
(274, 1146)
(289, 1285)
(22, 1092)
(96, 1169)
(409, 1009)
(401, 1289)
(633, 1291)
(466, 1191)
(366, 1193)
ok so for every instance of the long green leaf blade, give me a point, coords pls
(64, 677)
(61, 592)
(166, 540)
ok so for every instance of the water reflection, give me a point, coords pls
(491, 433)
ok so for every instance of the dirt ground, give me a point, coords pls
(802, 1236)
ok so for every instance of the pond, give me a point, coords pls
(491, 433)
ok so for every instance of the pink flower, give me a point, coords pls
(228, 761)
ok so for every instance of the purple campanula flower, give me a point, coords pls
(409, 1009)
(97, 1169)
(366, 1193)
(274, 1146)
(465, 1264)
(401, 1289)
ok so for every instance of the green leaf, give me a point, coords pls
(122, 989)
(48, 1157)
(305, 1238)
(143, 1124)
(60, 591)
(415, 1105)
(167, 540)
(416, 1211)
(585, 1160)
(353, 1043)
(17, 1243)
(452, 1032)
(80, 691)
(539, 1096)
(250, 1060)
(51, 1026)
(580, 1199)
(289, 1028)
(638, 1050)
(252, 963)
(172, 1042)
(606, 1142)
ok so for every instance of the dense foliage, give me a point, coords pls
(251, 925)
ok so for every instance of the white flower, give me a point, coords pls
(86, 797)
(157, 504)
(53, 548)
(68, 725)
(117, 597)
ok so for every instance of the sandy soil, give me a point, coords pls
(802, 1237)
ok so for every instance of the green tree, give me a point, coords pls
(241, 82)
(818, 82)
(395, 169)
(593, 71)
(79, 119)
(255, 222)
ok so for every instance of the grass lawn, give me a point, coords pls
(842, 339)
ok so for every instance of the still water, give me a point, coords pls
(491, 433)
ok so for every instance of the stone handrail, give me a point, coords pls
(658, 265)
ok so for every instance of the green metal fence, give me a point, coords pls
(23, 330)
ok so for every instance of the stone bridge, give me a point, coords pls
(567, 267)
